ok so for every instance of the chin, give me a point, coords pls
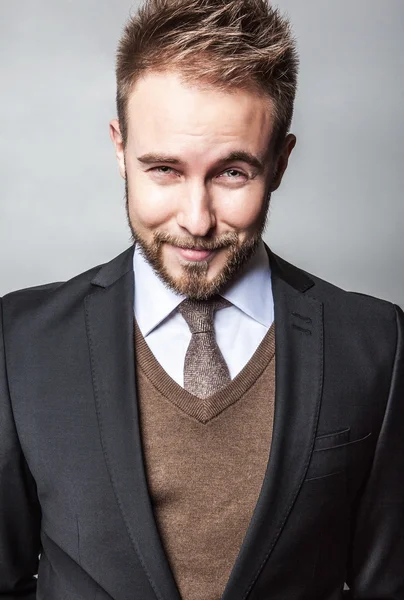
(194, 284)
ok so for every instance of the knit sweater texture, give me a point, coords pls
(205, 461)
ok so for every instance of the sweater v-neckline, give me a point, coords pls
(204, 409)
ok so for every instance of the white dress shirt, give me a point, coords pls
(239, 328)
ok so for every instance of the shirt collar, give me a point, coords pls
(250, 291)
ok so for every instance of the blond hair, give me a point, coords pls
(227, 44)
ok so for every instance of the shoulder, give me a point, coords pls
(45, 306)
(34, 298)
(351, 310)
(352, 300)
(59, 295)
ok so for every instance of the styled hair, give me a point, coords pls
(227, 44)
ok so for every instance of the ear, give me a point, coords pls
(116, 137)
(282, 161)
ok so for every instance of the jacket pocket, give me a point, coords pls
(334, 453)
(329, 440)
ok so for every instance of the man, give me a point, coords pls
(150, 447)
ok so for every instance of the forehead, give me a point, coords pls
(163, 109)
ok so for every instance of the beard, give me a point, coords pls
(193, 282)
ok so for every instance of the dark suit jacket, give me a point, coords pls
(72, 479)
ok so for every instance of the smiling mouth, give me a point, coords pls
(194, 255)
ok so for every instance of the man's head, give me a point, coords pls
(205, 101)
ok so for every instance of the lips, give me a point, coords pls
(194, 254)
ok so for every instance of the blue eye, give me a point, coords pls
(163, 167)
(234, 171)
(165, 170)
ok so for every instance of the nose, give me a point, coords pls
(196, 213)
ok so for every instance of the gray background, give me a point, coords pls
(338, 212)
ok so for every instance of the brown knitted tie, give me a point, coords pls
(205, 370)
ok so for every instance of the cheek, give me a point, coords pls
(148, 204)
(244, 210)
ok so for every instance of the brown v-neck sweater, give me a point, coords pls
(205, 462)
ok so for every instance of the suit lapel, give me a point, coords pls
(298, 388)
(109, 322)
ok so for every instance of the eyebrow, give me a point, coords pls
(237, 155)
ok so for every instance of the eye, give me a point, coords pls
(165, 172)
(235, 173)
(228, 174)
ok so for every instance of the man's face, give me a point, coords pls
(198, 179)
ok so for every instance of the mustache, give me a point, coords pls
(227, 239)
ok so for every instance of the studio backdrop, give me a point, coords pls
(339, 212)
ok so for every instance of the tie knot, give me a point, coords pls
(199, 313)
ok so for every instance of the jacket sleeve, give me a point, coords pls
(376, 565)
(19, 506)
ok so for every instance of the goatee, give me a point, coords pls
(193, 282)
